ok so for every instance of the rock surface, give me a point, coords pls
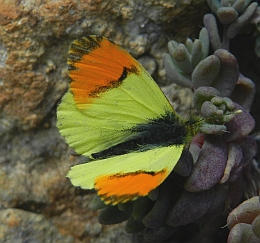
(38, 204)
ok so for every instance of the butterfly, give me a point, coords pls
(115, 114)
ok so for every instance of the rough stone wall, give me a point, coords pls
(38, 203)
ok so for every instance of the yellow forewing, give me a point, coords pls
(126, 177)
(105, 121)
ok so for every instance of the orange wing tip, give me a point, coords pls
(96, 66)
(121, 188)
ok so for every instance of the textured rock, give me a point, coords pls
(20, 226)
(34, 40)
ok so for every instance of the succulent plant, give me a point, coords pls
(192, 204)
(181, 60)
(234, 15)
(244, 222)
(256, 21)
